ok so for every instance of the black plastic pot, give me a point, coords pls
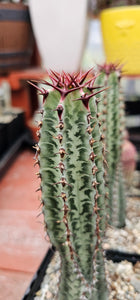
(132, 107)
(38, 276)
(3, 144)
(11, 132)
(12, 127)
(118, 256)
(7, 124)
(17, 126)
(35, 285)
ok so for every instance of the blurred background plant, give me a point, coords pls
(95, 6)
(112, 116)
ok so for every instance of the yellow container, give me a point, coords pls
(121, 36)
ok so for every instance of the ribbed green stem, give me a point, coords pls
(112, 136)
(112, 114)
(72, 162)
(53, 205)
(100, 291)
(119, 196)
(98, 148)
(81, 196)
(70, 283)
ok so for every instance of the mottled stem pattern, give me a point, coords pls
(112, 116)
(71, 159)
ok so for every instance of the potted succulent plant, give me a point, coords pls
(71, 158)
(120, 32)
(123, 43)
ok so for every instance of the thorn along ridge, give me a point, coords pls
(89, 129)
(102, 137)
(65, 208)
(94, 170)
(42, 91)
(62, 152)
(92, 141)
(38, 134)
(63, 196)
(59, 137)
(37, 162)
(96, 209)
(60, 125)
(40, 124)
(38, 174)
(97, 195)
(105, 163)
(95, 183)
(89, 117)
(63, 182)
(61, 167)
(39, 189)
(98, 114)
(37, 148)
(59, 110)
(41, 111)
(92, 156)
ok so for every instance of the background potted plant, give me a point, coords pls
(11, 120)
(120, 32)
(60, 30)
(16, 46)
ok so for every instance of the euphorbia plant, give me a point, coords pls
(112, 116)
(71, 159)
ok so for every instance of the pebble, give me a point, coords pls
(136, 283)
(127, 239)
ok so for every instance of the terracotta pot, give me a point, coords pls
(129, 159)
(16, 38)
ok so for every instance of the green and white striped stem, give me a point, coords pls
(112, 116)
(71, 158)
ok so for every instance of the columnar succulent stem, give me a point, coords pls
(112, 116)
(71, 158)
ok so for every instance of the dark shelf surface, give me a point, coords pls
(7, 158)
